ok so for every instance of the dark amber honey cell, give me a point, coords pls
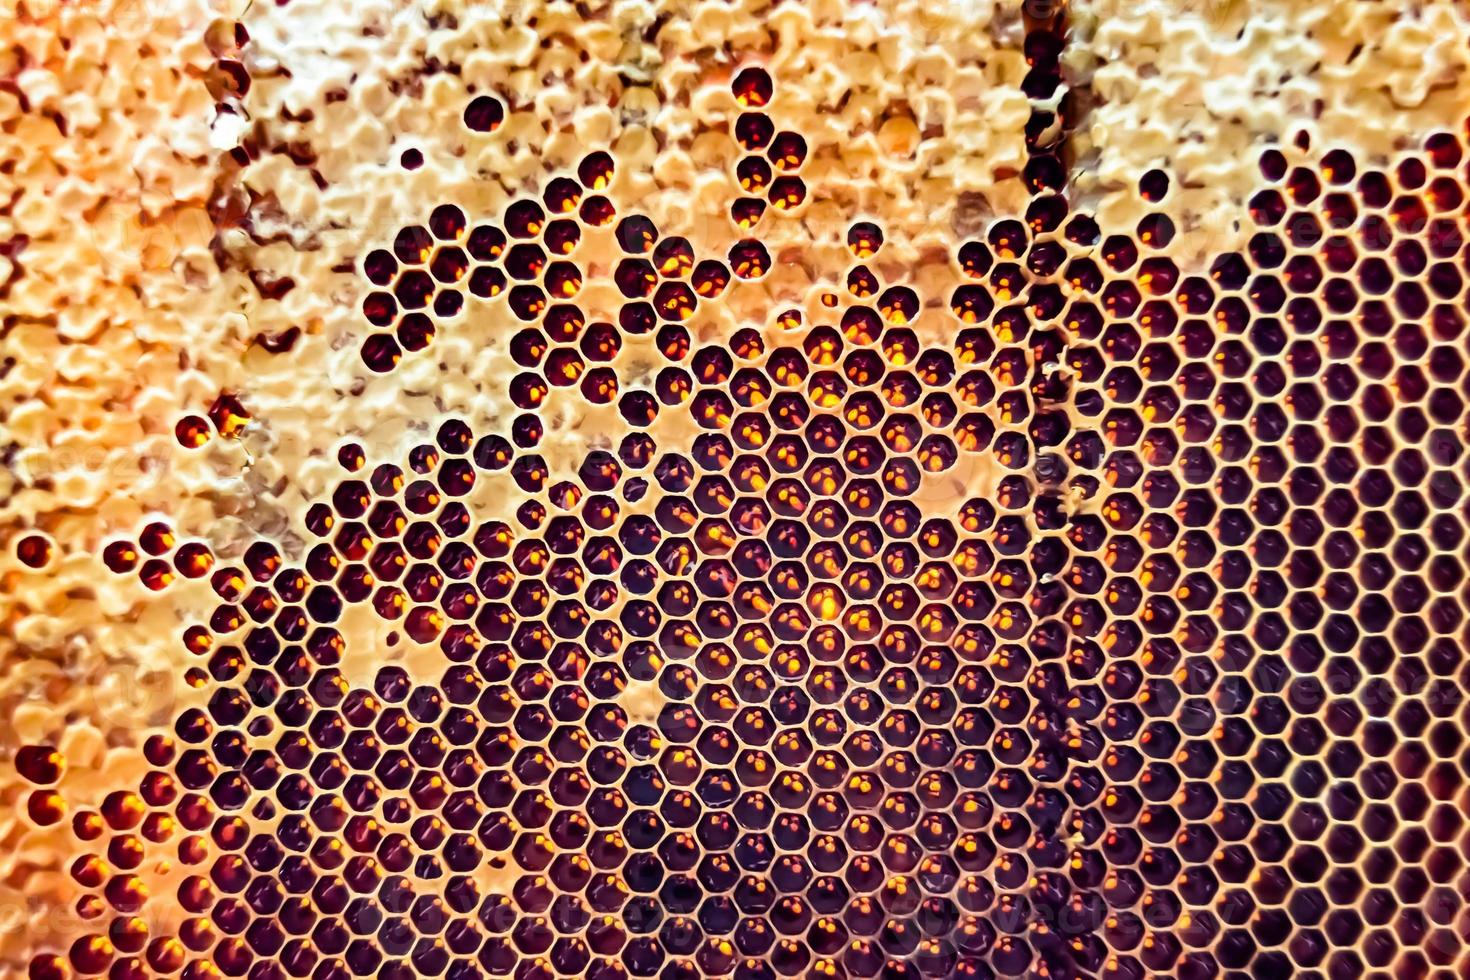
(746, 213)
(752, 87)
(40, 764)
(192, 431)
(484, 114)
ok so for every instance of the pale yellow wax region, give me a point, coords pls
(1201, 88)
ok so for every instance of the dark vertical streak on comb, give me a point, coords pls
(1066, 912)
(1045, 174)
(1047, 26)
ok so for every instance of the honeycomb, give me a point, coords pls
(887, 556)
